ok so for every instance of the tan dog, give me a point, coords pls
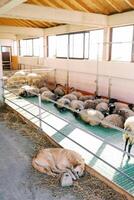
(55, 161)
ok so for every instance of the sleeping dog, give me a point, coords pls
(55, 161)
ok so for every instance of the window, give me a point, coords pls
(31, 47)
(14, 52)
(62, 46)
(51, 46)
(122, 43)
(96, 44)
(76, 45)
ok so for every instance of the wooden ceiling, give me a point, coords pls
(106, 7)
(26, 23)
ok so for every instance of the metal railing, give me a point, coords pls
(69, 123)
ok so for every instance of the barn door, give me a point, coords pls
(6, 57)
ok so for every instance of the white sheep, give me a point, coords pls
(129, 136)
(77, 94)
(125, 112)
(90, 104)
(20, 73)
(113, 119)
(28, 91)
(91, 116)
(46, 95)
(62, 102)
(77, 105)
(102, 107)
(119, 105)
(70, 97)
(60, 90)
(43, 89)
(86, 97)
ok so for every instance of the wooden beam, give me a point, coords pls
(85, 6)
(11, 4)
(115, 6)
(42, 13)
(22, 30)
(130, 3)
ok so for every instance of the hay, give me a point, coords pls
(87, 188)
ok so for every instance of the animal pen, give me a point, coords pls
(105, 157)
(102, 148)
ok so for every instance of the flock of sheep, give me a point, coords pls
(92, 109)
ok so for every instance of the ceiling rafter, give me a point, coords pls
(130, 3)
(111, 3)
(84, 5)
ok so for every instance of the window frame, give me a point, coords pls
(32, 47)
(111, 40)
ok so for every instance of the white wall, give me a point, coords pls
(6, 42)
(121, 87)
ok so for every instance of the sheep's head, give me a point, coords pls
(22, 92)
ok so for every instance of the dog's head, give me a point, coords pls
(79, 170)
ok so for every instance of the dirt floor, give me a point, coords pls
(19, 181)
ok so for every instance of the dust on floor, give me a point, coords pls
(19, 181)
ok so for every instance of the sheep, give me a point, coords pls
(61, 103)
(102, 107)
(100, 100)
(43, 89)
(28, 91)
(113, 119)
(20, 73)
(70, 97)
(119, 105)
(46, 95)
(131, 106)
(90, 104)
(91, 116)
(129, 136)
(35, 79)
(77, 105)
(77, 94)
(51, 85)
(86, 97)
(124, 112)
(59, 90)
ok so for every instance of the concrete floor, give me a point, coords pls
(17, 180)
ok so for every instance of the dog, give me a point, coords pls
(54, 161)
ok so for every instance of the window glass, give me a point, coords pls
(76, 45)
(62, 46)
(96, 44)
(52, 46)
(122, 43)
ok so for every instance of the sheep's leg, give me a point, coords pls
(126, 144)
(129, 149)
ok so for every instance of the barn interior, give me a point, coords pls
(80, 46)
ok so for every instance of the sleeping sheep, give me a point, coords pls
(61, 103)
(28, 91)
(59, 90)
(125, 112)
(86, 97)
(43, 89)
(70, 97)
(91, 116)
(129, 136)
(113, 119)
(77, 94)
(102, 107)
(77, 105)
(46, 95)
(90, 104)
